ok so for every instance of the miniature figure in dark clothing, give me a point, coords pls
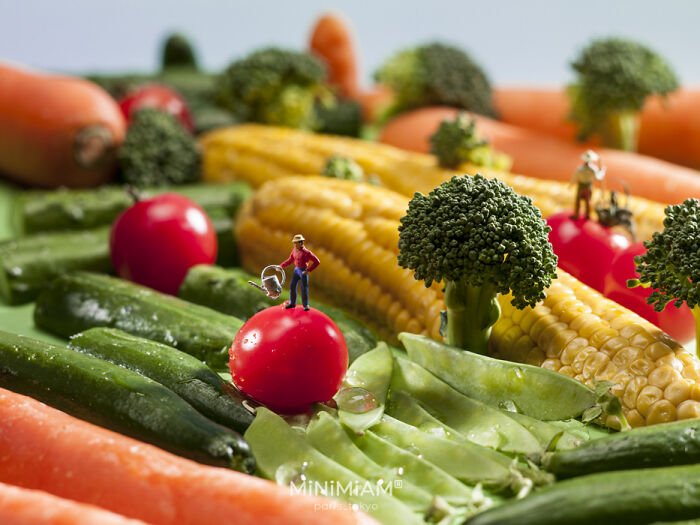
(304, 262)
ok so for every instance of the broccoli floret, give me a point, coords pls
(614, 78)
(343, 118)
(178, 53)
(456, 141)
(339, 167)
(480, 239)
(275, 86)
(157, 151)
(671, 264)
(436, 74)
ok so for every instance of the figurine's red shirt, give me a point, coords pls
(302, 258)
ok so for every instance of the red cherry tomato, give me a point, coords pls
(288, 359)
(159, 97)
(585, 247)
(157, 240)
(679, 323)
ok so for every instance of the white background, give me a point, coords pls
(530, 42)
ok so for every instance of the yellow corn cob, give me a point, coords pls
(256, 154)
(353, 229)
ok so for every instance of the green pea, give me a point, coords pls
(502, 384)
(284, 455)
(476, 421)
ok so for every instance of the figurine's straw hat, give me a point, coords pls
(298, 238)
(590, 156)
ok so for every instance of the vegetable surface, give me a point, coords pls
(56, 130)
(288, 358)
(185, 375)
(332, 42)
(178, 52)
(159, 97)
(156, 241)
(545, 157)
(138, 480)
(81, 300)
(28, 264)
(496, 244)
(157, 151)
(118, 398)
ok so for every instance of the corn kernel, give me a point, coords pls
(657, 350)
(662, 411)
(634, 418)
(663, 375)
(677, 391)
(572, 349)
(647, 397)
(688, 409)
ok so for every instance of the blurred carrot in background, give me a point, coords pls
(332, 42)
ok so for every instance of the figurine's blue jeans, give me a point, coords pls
(296, 277)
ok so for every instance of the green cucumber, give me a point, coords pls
(28, 264)
(501, 383)
(78, 209)
(667, 444)
(118, 398)
(612, 498)
(185, 375)
(77, 301)
(228, 291)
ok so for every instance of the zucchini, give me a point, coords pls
(228, 291)
(27, 264)
(64, 209)
(611, 498)
(676, 443)
(77, 301)
(185, 375)
(118, 398)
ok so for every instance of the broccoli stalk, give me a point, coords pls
(275, 86)
(456, 142)
(157, 151)
(614, 78)
(436, 75)
(671, 264)
(480, 239)
(339, 167)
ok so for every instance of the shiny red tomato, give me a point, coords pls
(679, 323)
(156, 241)
(159, 97)
(288, 359)
(585, 247)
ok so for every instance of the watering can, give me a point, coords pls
(270, 284)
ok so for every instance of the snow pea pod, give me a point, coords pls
(327, 435)
(362, 398)
(466, 461)
(501, 383)
(298, 464)
(479, 423)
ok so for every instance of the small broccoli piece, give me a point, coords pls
(614, 78)
(481, 239)
(436, 74)
(342, 118)
(158, 151)
(456, 142)
(339, 167)
(178, 53)
(671, 264)
(275, 86)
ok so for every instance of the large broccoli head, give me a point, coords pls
(614, 78)
(274, 86)
(437, 74)
(480, 231)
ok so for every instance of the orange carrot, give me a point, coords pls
(57, 130)
(45, 449)
(20, 506)
(332, 42)
(669, 129)
(543, 156)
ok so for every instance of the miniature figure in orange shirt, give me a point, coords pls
(304, 262)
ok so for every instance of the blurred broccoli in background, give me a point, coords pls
(614, 78)
(436, 75)
(178, 52)
(275, 86)
(158, 151)
(342, 118)
(456, 141)
(339, 167)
